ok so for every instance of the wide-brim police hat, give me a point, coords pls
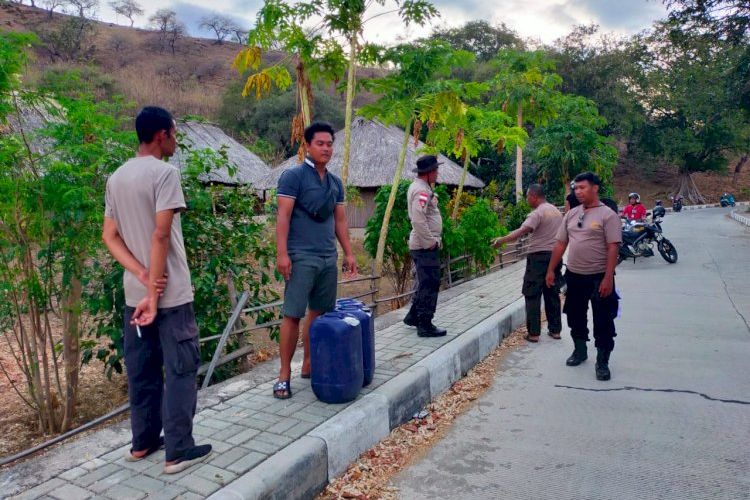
(427, 163)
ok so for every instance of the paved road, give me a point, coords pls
(674, 421)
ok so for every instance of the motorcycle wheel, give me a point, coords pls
(667, 250)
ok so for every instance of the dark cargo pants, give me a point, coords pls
(424, 303)
(582, 289)
(534, 288)
(167, 350)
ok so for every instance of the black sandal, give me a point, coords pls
(280, 387)
(129, 457)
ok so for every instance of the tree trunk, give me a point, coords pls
(71, 349)
(519, 160)
(689, 191)
(349, 104)
(738, 168)
(457, 202)
(378, 267)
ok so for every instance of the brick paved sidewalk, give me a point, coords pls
(247, 428)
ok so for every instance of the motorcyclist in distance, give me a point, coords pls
(635, 211)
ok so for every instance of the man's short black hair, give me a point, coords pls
(316, 127)
(591, 177)
(536, 189)
(151, 120)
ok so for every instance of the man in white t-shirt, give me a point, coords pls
(143, 233)
(543, 223)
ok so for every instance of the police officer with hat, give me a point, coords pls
(425, 241)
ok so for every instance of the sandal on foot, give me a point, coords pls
(129, 457)
(555, 336)
(531, 338)
(281, 387)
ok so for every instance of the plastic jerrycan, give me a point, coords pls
(336, 357)
(349, 302)
(366, 319)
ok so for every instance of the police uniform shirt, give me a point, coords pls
(426, 222)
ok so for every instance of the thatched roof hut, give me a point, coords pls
(250, 169)
(374, 156)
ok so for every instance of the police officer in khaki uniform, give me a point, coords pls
(425, 241)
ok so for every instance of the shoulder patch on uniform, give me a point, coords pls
(424, 196)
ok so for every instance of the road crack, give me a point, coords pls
(726, 290)
(648, 389)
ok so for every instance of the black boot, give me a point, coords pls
(410, 319)
(602, 365)
(579, 353)
(427, 329)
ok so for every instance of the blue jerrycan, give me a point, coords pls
(367, 320)
(349, 302)
(336, 357)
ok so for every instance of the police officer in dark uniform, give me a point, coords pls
(425, 241)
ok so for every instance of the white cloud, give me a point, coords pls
(545, 20)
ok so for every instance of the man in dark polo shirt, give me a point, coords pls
(592, 233)
(311, 217)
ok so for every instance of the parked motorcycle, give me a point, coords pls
(727, 200)
(676, 203)
(638, 239)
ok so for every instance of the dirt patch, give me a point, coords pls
(664, 181)
(19, 429)
(369, 478)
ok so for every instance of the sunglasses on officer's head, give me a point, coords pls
(580, 219)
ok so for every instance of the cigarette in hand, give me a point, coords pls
(138, 329)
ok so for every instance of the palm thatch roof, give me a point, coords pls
(199, 135)
(374, 156)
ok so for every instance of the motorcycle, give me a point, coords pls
(727, 200)
(676, 203)
(638, 239)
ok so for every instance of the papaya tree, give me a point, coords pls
(461, 129)
(525, 86)
(298, 29)
(281, 25)
(416, 66)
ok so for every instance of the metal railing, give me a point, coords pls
(450, 268)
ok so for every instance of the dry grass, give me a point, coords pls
(19, 429)
(191, 81)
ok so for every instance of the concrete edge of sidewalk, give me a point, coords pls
(303, 468)
(709, 205)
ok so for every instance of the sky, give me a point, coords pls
(543, 20)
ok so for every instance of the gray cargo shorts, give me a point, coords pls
(312, 284)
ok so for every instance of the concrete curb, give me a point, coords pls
(709, 205)
(740, 218)
(303, 468)
(298, 471)
(352, 432)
